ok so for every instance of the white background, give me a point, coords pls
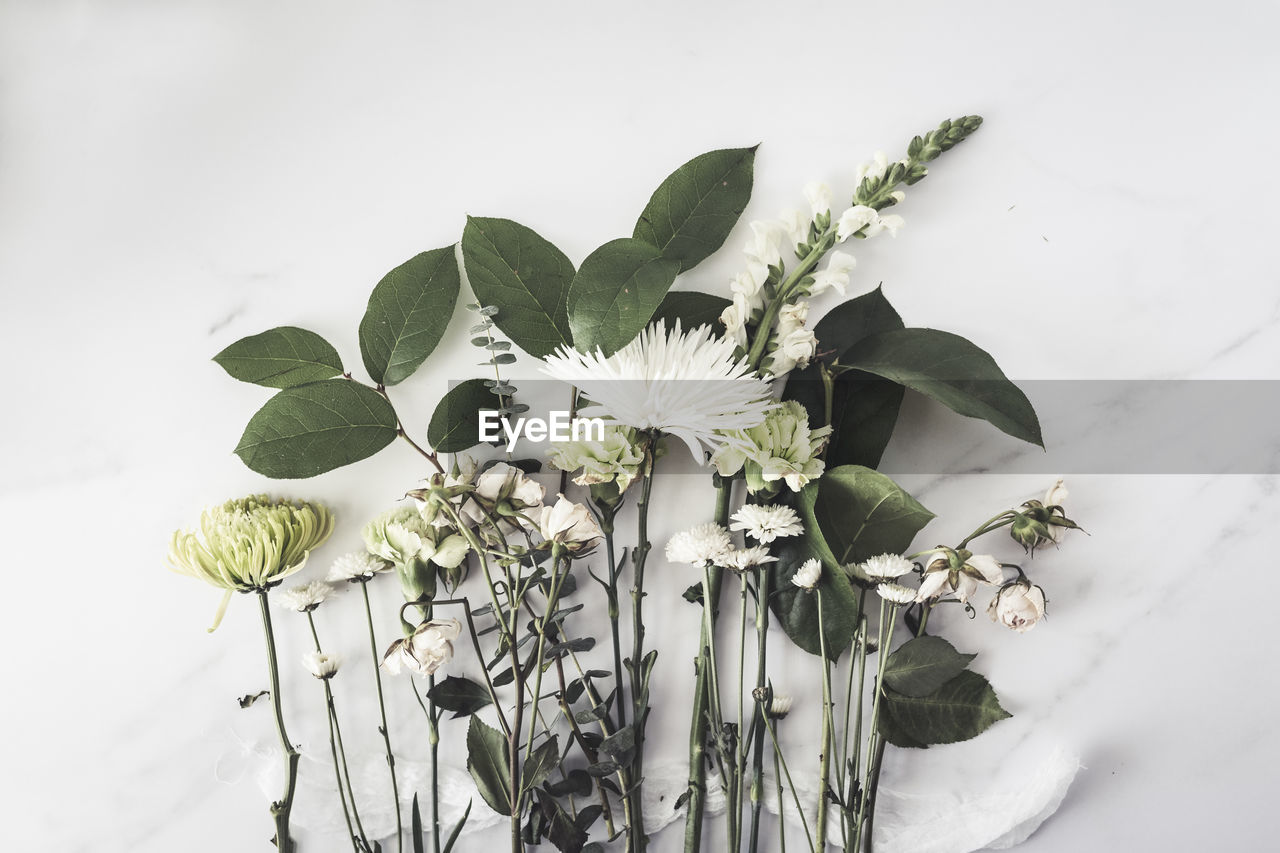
(174, 176)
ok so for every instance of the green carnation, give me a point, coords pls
(781, 448)
(617, 459)
(402, 537)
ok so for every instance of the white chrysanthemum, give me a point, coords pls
(687, 384)
(767, 523)
(896, 593)
(358, 565)
(321, 665)
(808, 575)
(886, 567)
(780, 705)
(699, 545)
(305, 596)
(741, 559)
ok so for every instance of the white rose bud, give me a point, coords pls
(1018, 605)
(426, 650)
(569, 524)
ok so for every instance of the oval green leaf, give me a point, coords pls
(407, 315)
(615, 293)
(460, 695)
(455, 424)
(281, 358)
(692, 309)
(922, 665)
(863, 513)
(487, 763)
(526, 277)
(961, 709)
(692, 212)
(952, 371)
(311, 429)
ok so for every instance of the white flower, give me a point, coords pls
(780, 705)
(735, 318)
(795, 349)
(784, 447)
(890, 223)
(751, 291)
(741, 559)
(568, 523)
(886, 567)
(896, 593)
(874, 170)
(687, 384)
(402, 536)
(699, 545)
(941, 576)
(321, 665)
(796, 225)
(763, 246)
(1056, 496)
(507, 482)
(424, 651)
(358, 565)
(793, 316)
(898, 196)
(305, 597)
(1018, 605)
(819, 197)
(767, 523)
(854, 220)
(616, 458)
(808, 575)
(834, 275)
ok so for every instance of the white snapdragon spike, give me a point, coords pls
(886, 567)
(305, 597)
(1018, 606)
(896, 593)
(741, 559)
(356, 566)
(688, 384)
(767, 523)
(780, 705)
(321, 665)
(819, 197)
(808, 575)
(835, 275)
(854, 220)
(427, 649)
(569, 524)
(700, 545)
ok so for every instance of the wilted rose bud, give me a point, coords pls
(1041, 522)
(948, 570)
(1018, 605)
(424, 651)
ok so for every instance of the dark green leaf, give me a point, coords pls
(582, 644)
(863, 513)
(923, 664)
(457, 829)
(540, 764)
(487, 763)
(577, 782)
(460, 695)
(588, 816)
(692, 309)
(620, 746)
(615, 293)
(310, 429)
(961, 709)
(407, 315)
(952, 371)
(281, 358)
(560, 827)
(455, 424)
(692, 212)
(511, 266)
(415, 827)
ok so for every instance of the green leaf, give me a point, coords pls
(922, 665)
(455, 424)
(526, 277)
(457, 829)
(863, 513)
(281, 358)
(952, 371)
(615, 293)
(415, 827)
(692, 212)
(407, 315)
(540, 764)
(620, 746)
(961, 709)
(561, 829)
(797, 610)
(864, 409)
(314, 428)
(460, 695)
(487, 763)
(691, 308)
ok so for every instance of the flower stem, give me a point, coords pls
(777, 752)
(637, 841)
(701, 693)
(875, 743)
(820, 828)
(382, 709)
(334, 735)
(280, 809)
(757, 722)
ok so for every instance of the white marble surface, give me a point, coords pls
(175, 176)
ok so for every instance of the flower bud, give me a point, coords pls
(322, 666)
(1018, 605)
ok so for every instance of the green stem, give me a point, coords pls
(332, 713)
(782, 822)
(611, 594)
(637, 841)
(698, 723)
(757, 722)
(756, 353)
(875, 743)
(281, 808)
(824, 772)
(777, 751)
(858, 662)
(382, 710)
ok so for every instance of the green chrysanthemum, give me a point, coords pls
(250, 544)
(616, 459)
(781, 448)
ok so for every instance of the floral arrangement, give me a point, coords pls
(788, 419)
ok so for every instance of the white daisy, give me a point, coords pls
(358, 565)
(886, 567)
(767, 523)
(780, 705)
(700, 545)
(688, 384)
(306, 596)
(741, 559)
(896, 593)
(321, 665)
(808, 575)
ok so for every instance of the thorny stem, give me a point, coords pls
(382, 710)
(281, 808)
